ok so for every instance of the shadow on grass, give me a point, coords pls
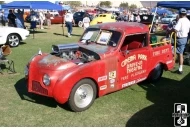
(35, 32)
(163, 94)
(22, 43)
(76, 35)
(22, 91)
(58, 34)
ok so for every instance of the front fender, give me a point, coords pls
(66, 82)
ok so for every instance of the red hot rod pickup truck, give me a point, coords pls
(107, 58)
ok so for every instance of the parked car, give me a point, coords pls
(57, 19)
(78, 18)
(91, 12)
(12, 36)
(108, 57)
(168, 19)
(103, 18)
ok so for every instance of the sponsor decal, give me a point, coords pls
(112, 75)
(128, 60)
(103, 87)
(112, 85)
(103, 78)
(124, 77)
(132, 82)
(142, 57)
(112, 81)
(138, 73)
(180, 114)
(132, 58)
(135, 66)
(157, 53)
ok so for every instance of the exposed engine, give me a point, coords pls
(73, 52)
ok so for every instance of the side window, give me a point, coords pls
(134, 42)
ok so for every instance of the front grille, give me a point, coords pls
(36, 87)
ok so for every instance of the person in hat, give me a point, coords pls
(181, 28)
(68, 20)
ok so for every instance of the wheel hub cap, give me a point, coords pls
(83, 95)
(13, 40)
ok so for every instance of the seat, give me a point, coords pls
(124, 48)
(134, 45)
(5, 50)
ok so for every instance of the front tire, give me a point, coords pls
(82, 95)
(156, 73)
(13, 40)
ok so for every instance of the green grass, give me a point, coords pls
(145, 104)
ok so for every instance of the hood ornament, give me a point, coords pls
(39, 52)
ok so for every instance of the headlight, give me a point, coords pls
(46, 80)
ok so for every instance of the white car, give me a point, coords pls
(168, 19)
(12, 36)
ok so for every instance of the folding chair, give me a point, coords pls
(5, 50)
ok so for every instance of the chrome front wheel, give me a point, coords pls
(82, 95)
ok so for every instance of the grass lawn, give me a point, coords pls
(145, 104)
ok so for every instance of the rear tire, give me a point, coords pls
(156, 73)
(82, 95)
(13, 40)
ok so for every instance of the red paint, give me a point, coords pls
(115, 68)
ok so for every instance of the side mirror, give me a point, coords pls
(112, 17)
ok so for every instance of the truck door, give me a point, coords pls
(133, 60)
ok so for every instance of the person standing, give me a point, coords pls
(11, 19)
(48, 19)
(86, 21)
(20, 18)
(2, 18)
(68, 19)
(182, 29)
(138, 18)
(41, 18)
(33, 18)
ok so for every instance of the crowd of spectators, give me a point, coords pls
(15, 18)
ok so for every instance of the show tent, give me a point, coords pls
(161, 11)
(32, 5)
(174, 4)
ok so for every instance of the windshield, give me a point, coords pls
(103, 37)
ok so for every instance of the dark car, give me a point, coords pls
(78, 17)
